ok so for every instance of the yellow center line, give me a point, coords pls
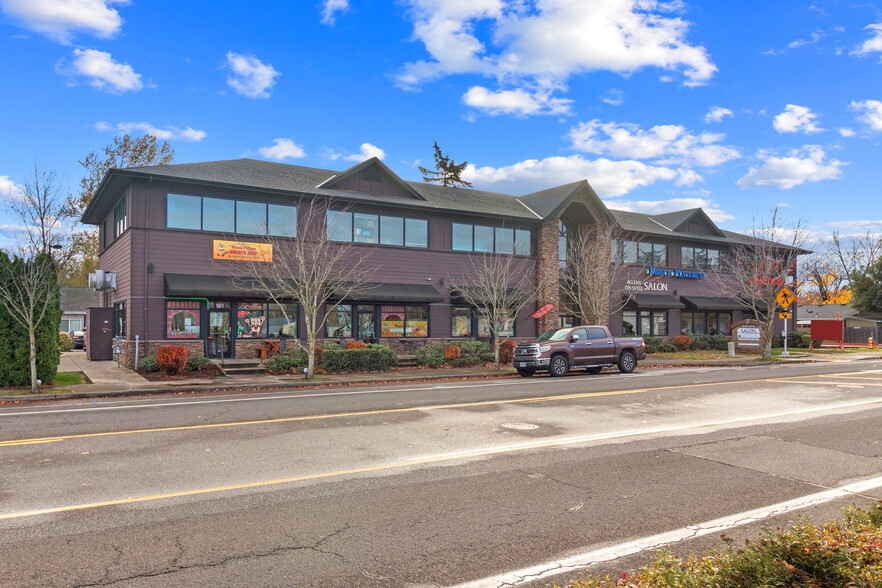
(430, 460)
(863, 377)
(828, 383)
(17, 442)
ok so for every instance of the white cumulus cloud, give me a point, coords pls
(671, 205)
(250, 77)
(847, 132)
(542, 44)
(717, 113)
(330, 8)
(874, 43)
(609, 178)
(104, 73)
(165, 134)
(807, 164)
(60, 19)
(666, 143)
(366, 152)
(870, 112)
(8, 188)
(282, 149)
(518, 102)
(797, 119)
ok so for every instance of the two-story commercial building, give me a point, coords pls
(162, 230)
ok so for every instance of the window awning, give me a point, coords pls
(209, 286)
(653, 302)
(711, 303)
(457, 296)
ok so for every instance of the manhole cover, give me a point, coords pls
(849, 386)
(519, 426)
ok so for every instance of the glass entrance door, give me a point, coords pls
(220, 342)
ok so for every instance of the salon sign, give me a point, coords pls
(242, 251)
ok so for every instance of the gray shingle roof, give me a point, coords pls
(284, 177)
(77, 299)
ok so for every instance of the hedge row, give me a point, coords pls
(331, 359)
(457, 353)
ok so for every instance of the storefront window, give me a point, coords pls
(566, 320)
(367, 322)
(276, 323)
(629, 323)
(119, 319)
(251, 319)
(416, 321)
(184, 212)
(645, 323)
(182, 319)
(392, 321)
(461, 321)
(659, 324)
(506, 327)
(338, 322)
(725, 324)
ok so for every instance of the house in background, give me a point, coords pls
(74, 302)
(858, 326)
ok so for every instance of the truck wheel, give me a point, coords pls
(627, 362)
(594, 370)
(559, 366)
(526, 373)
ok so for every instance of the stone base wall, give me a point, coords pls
(145, 348)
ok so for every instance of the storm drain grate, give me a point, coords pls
(519, 426)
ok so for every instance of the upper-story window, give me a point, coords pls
(700, 257)
(484, 239)
(201, 213)
(120, 218)
(651, 254)
(377, 229)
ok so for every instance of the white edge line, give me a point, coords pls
(613, 552)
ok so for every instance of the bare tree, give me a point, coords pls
(28, 291)
(498, 287)
(754, 271)
(826, 274)
(591, 277)
(313, 270)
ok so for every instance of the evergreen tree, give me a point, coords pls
(866, 288)
(446, 172)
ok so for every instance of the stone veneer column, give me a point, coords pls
(548, 273)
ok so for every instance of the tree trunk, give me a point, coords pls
(310, 352)
(33, 344)
(495, 347)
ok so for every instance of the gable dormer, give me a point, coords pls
(371, 176)
(694, 222)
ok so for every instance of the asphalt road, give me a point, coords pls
(440, 484)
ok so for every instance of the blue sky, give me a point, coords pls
(733, 106)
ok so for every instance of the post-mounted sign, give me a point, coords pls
(784, 315)
(785, 297)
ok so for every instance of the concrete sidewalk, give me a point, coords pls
(108, 380)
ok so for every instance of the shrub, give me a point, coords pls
(470, 353)
(475, 352)
(506, 351)
(451, 352)
(354, 344)
(715, 342)
(682, 342)
(799, 339)
(149, 364)
(667, 348)
(293, 361)
(375, 358)
(319, 353)
(171, 358)
(652, 344)
(196, 362)
(65, 342)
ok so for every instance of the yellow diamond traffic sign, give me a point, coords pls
(785, 297)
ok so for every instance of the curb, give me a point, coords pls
(205, 388)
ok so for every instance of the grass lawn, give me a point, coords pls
(697, 354)
(67, 379)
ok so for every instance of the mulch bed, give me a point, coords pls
(208, 371)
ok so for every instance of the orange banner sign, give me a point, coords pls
(242, 251)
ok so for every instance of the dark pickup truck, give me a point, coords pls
(559, 350)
